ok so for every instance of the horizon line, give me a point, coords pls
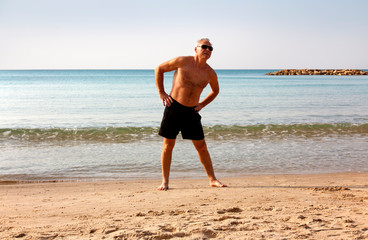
(117, 69)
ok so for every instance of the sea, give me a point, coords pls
(101, 125)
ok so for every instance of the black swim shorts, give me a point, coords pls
(178, 118)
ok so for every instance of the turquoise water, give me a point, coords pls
(120, 98)
(102, 124)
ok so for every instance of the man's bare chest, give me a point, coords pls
(193, 79)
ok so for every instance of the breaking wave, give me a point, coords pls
(217, 132)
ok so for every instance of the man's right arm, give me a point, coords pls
(159, 78)
(168, 66)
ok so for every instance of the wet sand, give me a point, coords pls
(328, 206)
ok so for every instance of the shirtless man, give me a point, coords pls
(192, 74)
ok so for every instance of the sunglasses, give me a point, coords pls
(206, 47)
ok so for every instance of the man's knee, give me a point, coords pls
(168, 144)
(200, 145)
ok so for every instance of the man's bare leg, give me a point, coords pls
(205, 158)
(166, 157)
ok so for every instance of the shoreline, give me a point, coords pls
(235, 178)
(4, 182)
(312, 206)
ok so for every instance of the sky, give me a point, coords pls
(141, 34)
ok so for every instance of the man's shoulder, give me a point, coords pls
(185, 59)
(182, 61)
(211, 70)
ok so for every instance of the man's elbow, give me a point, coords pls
(158, 70)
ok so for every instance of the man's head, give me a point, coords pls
(204, 48)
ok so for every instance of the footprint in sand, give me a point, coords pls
(232, 210)
(203, 233)
(167, 228)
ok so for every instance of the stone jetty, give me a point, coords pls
(340, 72)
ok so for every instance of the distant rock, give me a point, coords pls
(339, 72)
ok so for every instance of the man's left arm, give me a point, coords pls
(215, 89)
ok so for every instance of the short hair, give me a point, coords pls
(204, 39)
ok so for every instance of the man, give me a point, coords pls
(192, 74)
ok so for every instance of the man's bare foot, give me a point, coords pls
(163, 187)
(216, 183)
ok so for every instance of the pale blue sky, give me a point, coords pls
(112, 34)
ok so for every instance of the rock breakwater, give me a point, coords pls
(339, 72)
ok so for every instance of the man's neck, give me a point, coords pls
(200, 62)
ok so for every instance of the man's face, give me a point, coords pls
(203, 49)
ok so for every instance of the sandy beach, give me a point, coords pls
(329, 206)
